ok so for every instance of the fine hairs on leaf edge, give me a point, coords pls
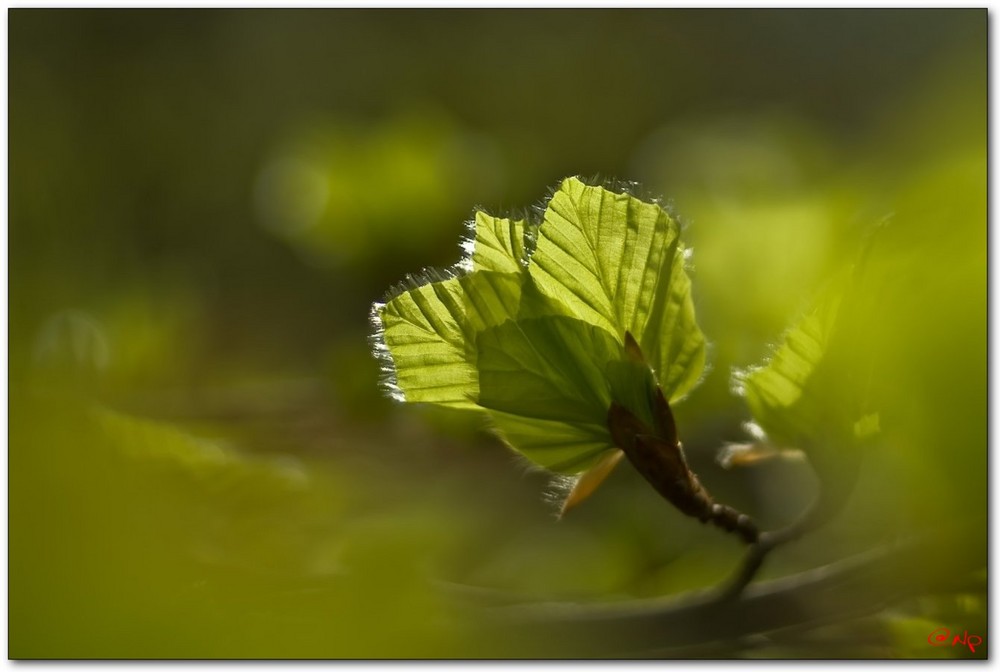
(387, 379)
(534, 217)
(636, 190)
(467, 243)
(557, 490)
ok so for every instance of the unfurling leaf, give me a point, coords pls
(813, 387)
(782, 394)
(544, 327)
(812, 393)
(617, 262)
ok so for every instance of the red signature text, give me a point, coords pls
(942, 637)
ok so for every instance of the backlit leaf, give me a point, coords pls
(422, 329)
(781, 395)
(549, 369)
(618, 263)
(530, 328)
(430, 331)
(498, 244)
(812, 393)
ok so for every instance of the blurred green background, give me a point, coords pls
(204, 204)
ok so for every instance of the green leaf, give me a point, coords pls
(421, 337)
(490, 299)
(812, 396)
(550, 368)
(530, 327)
(425, 334)
(781, 395)
(617, 262)
(558, 446)
(498, 244)
(543, 381)
(430, 332)
(812, 392)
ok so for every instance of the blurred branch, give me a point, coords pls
(857, 586)
(832, 497)
(754, 558)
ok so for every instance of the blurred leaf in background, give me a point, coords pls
(203, 205)
(352, 193)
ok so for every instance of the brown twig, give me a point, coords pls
(755, 555)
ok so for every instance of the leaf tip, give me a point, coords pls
(583, 486)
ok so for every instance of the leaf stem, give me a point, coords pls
(731, 520)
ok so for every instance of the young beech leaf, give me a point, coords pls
(421, 328)
(811, 391)
(425, 333)
(547, 367)
(547, 384)
(541, 328)
(430, 332)
(778, 394)
(812, 394)
(497, 244)
(618, 263)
